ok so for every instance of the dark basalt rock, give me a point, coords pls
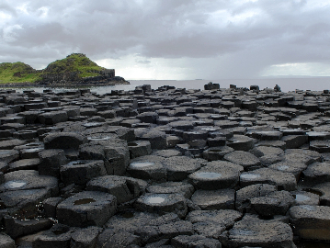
(215, 176)
(195, 241)
(183, 188)
(82, 171)
(214, 199)
(245, 159)
(179, 167)
(162, 204)
(282, 180)
(7, 156)
(220, 167)
(251, 231)
(64, 141)
(147, 168)
(88, 208)
(123, 188)
(311, 222)
(51, 161)
(6, 241)
(16, 228)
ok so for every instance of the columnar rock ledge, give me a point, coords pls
(166, 167)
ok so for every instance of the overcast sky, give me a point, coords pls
(172, 39)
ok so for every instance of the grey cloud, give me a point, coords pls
(41, 34)
(6, 8)
(283, 32)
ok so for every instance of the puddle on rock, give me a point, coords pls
(155, 199)
(308, 207)
(208, 129)
(267, 132)
(33, 144)
(96, 138)
(15, 184)
(208, 175)
(93, 124)
(317, 134)
(33, 149)
(249, 176)
(141, 164)
(84, 201)
(301, 198)
(232, 141)
(320, 145)
(282, 167)
(77, 162)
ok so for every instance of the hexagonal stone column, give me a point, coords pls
(183, 188)
(215, 176)
(241, 142)
(214, 199)
(282, 180)
(194, 241)
(245, 159)
(317, 173)
(139, 148)
(179, 167)
(81, 171)
(7, 156)
(64, 140)
(162, 204)
(24, 189)
(253, 232)
(216, 153)
(53, 117)
(57, 236)
(51, 161)
(123, 188)
(311, 222)
(87, 208)
(147, 167)
(6, 241)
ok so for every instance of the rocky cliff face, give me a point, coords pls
(76, 68)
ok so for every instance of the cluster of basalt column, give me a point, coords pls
(166, 167)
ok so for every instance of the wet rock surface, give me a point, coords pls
(164, 167)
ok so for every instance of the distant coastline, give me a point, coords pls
(74, 70)
(286, 84)
(66, 84)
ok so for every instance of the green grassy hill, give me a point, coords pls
(75, 62)
(18, 73)
(74, 67)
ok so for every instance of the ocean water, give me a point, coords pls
(286, 84)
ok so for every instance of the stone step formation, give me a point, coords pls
(166, 167)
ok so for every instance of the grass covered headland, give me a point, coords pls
(18, 72)
(75, 68)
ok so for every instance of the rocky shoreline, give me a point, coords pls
(88, 82)
(166, 167)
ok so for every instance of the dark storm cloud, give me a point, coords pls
(242, 37)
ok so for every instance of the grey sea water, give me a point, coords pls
(286, 84)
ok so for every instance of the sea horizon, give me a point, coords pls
(286, 84)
